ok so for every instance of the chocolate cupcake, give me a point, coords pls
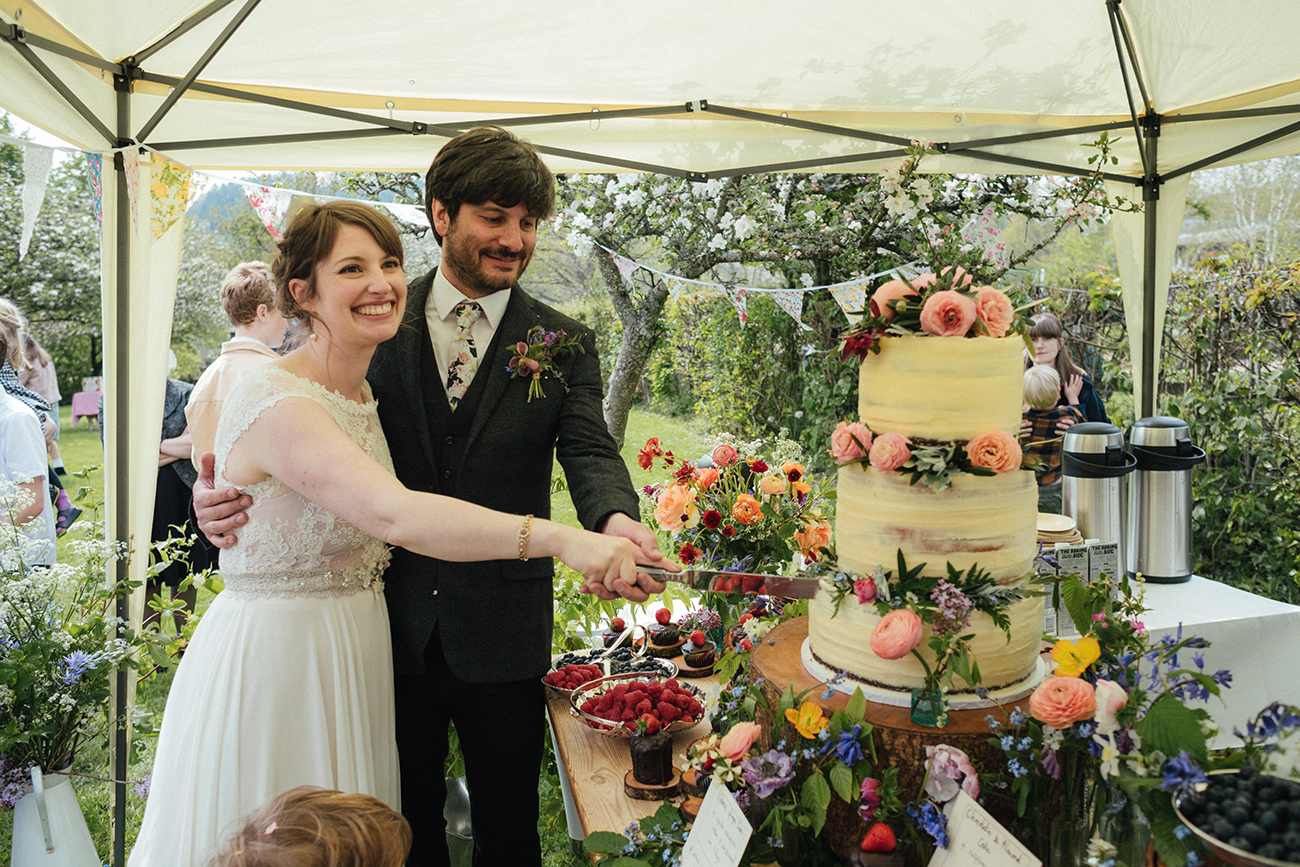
(698, 651)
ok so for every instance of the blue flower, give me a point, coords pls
(1008, 742)
(848, 748)
(1017, 717)
(76, 664)
(1182, 832)
(1026, 744)
(992, 721)
(1182, 774)
(1194, 860)
(1017, 770)
(930, 820)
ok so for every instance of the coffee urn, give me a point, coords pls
(1094, 464)
(1159, 541)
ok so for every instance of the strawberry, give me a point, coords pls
(664, 616)
(697, 638)
(651, 723)
(880, 838)
(617, 624)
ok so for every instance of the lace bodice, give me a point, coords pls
(291, 546)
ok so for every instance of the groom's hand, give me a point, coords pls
(218, 512)
(623, 526)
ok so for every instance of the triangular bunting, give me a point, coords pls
(852, 298)
(36, 171)
(674, 287)
(984, 232)
(625, 265)
(95, 174)
(272, 207)
(738, 301)
(170, 194)
(791, 301)
(131, 163)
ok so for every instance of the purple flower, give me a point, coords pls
(76, 664)
(954, 609)
(1049, 763)
(1182, 774)
(870, 798)
(846, 746)
(930, 820)
(140, 785)
(768, 772)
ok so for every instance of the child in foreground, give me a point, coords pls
(1042, 440)
(313, 827)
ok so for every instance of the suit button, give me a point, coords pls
(450, 440)
(435, 593)
(446, 474)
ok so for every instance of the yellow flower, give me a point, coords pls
(1073, 658)
(808, 719)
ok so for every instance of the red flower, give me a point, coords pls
(646, 457)
(713, 519)
(858, 345)
(758, 467)
(688, 554)
(685, 473)
(728, 531)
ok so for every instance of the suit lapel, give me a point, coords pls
(515, 324)
(411, 340)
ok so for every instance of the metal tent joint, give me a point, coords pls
(1151, 188)
(14, 33)
(697, 105)
(1150, 123)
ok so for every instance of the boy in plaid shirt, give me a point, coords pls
(1043, 441)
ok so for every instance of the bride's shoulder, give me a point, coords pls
(267, 385)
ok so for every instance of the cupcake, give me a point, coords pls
(698, 651)
(616, 628)
(667, 632)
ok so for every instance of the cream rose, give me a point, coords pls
(1060, 702)
(772, 485)
(890, 451)
(897, 634)
(996, 450)
(676, 508)
(948, 314)
(1111, 699)
(994, 310)
(850, 441)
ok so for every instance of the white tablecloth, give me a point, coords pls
(1257, 639)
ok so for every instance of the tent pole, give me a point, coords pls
(1150, 201)
(121, 499)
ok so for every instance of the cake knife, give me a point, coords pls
(738, 582)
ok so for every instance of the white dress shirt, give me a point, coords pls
(440, 316)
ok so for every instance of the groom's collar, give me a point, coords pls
(444, 297)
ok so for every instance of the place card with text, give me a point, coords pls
(720, 833)
(976, 839)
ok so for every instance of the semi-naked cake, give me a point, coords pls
(934, 390)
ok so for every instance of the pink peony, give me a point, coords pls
(897, 634)
(850, 441)
(865, 589)
(676, 508)
(736, 742)
(946, 767)
(1060, 702)
(1111, 699)
(994, 310)
(723, 455)
(948, 314)
(890, 451)
(891, 291)
(996, 450)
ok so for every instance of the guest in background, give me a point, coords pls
(248, 297)
(22, 454)
(1043, 439)
(311, 827)
(1049, 348)
(41, 378)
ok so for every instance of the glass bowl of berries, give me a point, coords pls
(1246, 818)
(571, 670)
(613, 704)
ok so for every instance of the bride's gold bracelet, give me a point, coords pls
(525, 530)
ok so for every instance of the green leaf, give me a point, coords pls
(815, 799)
(842, 782)
(604, 843)
(1170, 726)
(1079, 602)
(856, 709)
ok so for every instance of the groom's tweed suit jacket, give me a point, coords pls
(494, 618)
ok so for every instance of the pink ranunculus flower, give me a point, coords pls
(994, 310)
(1111, 699)
(948, 314)
(949, 769)
(865, 590)
(890, 451)
(723, 455)
(894, 290)
(850, 441)
(1060, 702)
(736, 742)
(897, 634)
(677, 508)
(996, 450)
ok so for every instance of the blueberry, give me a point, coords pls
(1254, 833)
(1241, 843)
(1271, 850)
(1292, 839)
(1223, 829)
(1237, 814)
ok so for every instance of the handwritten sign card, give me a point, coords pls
(976, 839)
(720, 833)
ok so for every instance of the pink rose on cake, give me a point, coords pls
(994, 309)
(890, 451)
(850, 441)
(676, 508)
(995, 450)
(897, 634)
(1060, 702)
(948, 314)
(894, 290)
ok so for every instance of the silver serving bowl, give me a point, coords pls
(598, 656)
(1227, 854)
(615, 728)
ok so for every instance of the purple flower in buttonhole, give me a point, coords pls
(768, 772)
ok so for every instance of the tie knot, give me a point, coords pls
(467, 312)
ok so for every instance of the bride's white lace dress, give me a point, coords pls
(288, 680)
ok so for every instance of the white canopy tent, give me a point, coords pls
(694, 89)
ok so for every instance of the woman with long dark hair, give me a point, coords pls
(1050, 349)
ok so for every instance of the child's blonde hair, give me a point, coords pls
(1042, 386)
(313, 827)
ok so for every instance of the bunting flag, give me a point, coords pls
(737, 296)
(170, 194)
(675, 287)
(791, 301)
(95, 174)
(625, 265)
(131, 162)
(272, 206)
(852, 298)
(412, 214)
(37, 161)
(984, 232)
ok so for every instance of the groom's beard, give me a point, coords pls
(464, 259)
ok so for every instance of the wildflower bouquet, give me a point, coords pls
(737, 511)
(1112, 733)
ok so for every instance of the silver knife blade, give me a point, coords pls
(755, 583)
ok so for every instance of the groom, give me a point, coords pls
(471, 641)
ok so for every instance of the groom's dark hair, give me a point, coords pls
(489, 164)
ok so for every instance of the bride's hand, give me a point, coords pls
(601, 559)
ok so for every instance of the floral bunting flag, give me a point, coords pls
(272, 207)
(131, 162)
(852, 298)
(625, 265)
(95, 174)
(170, 188)
(674, 287)
(36, 171)
(738, 300)
(984, 232)
(791, 301)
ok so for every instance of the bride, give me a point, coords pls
(288, 679)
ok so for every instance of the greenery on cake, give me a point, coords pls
(987, 454)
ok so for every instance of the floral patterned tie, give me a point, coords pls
(464, 355)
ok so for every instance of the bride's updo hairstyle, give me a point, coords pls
(308, 241)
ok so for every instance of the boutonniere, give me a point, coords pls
(535, 357)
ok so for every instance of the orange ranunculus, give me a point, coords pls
(890, 451)
(799, 490)
(994, 310)
(808, 719)
(948, 314)
(894, 290)
(850, 441)
(737, 741)
(1074, 658)
(771, 485)
(747, 510)
(996, 450)
(814, 536)
(897, 634)
(705, 477)
(1060, 702)
(677, 508)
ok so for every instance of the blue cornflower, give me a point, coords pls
(1182, 831)
(1182, 774)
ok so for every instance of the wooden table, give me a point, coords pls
(592, 767)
